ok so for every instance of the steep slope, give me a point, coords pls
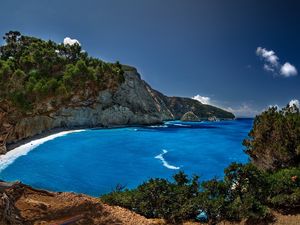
(180, 105)
(133, 102)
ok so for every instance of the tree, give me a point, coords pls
(247, 191)
(181, 178)
(274, 141)
(12, 37)
(11, 48)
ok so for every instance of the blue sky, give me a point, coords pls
(240, 55)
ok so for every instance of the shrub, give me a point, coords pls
(282, 126)
(285, 189)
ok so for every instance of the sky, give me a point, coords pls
(242, 56)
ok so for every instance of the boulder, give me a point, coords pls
(190, 116)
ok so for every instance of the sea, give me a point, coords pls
(96, 161)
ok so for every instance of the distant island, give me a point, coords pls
(46, 85)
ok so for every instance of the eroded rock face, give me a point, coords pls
(134, 102)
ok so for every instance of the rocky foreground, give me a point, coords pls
(21, 204)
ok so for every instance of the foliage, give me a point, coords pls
(32, 70)
(285, 189)
(274, 141)
(242, 194)
(160, 198)
(245, 193)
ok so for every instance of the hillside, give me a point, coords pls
(46, 85)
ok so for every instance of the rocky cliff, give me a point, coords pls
(133, 102)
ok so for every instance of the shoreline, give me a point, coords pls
(13, 145)
(24, 146)
(23, 149)
(46, 133)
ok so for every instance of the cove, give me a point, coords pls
(95, 161)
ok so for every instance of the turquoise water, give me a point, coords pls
(95, 161)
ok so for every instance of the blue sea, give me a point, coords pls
(95, 161)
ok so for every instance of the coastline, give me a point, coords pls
(46, 133)
(23, 149)
(13, 145)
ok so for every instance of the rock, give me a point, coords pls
(21, 204)
(190, 116)
(213, 119)
(134, 102)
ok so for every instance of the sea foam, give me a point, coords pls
(165, 163)
(159, 126)
(11, 156)
(181, 125)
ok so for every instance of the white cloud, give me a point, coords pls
(202, 99)
(244, 110)
(70, 41)
(268, 68)
(288, 70)
(294, 102)
(272, 64)
(268, 56)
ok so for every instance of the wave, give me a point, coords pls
(181, 125)
(165, 163)
(11, 156)
(158, 126)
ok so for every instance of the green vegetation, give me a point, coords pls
(33, 70)
(247, 191)
(274, 141)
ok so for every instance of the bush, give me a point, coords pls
(285, 189)
(282, 126)
(243, 194)
(159, 198)
(18, 98)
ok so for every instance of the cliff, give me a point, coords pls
(133, 102)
